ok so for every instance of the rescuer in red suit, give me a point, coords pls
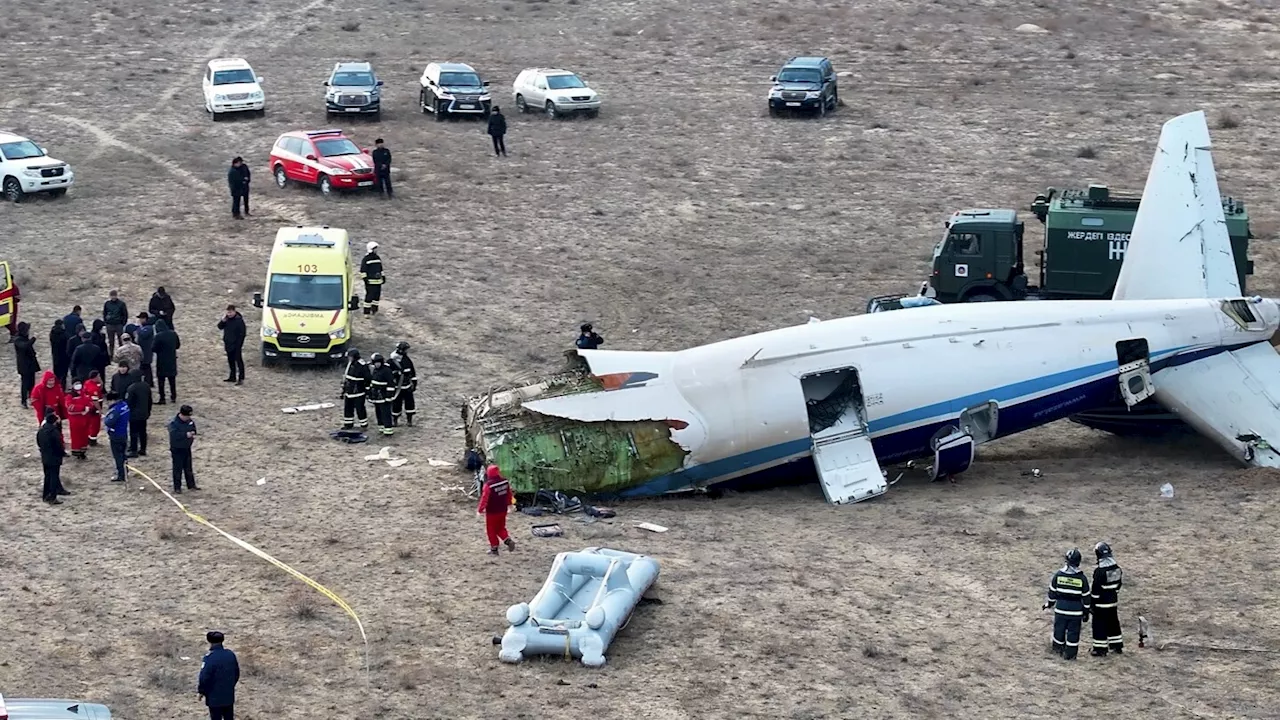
(495, 499)
(79, 410)
(48, 394)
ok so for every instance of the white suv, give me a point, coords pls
(26, 168)
(555, 92)
(453, 88)
(231, 85)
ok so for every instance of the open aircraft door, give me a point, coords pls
(847, 467)
(8, 298)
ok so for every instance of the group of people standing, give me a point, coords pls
(389, 383)
(121, 401)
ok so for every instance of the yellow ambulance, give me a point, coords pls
(309, 296)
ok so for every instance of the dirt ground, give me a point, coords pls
(683, 215)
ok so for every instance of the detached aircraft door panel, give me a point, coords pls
(847, 467)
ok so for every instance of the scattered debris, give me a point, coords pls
(383, 454)
(262, 481)
(1166, 490)
(651, 527)
(1030, 28)
(303, 408)
(1144, 631)
(1033, 472)
(397, 462)
(439, 463)
(349, 436)
(548, 530)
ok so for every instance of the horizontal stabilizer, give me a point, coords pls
(1232, 398)
(1179, 247)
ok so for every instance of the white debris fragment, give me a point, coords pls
(302, 408)
(651, 527)
(1030, 28)
(813, 320)
(184, 657)
(383, 454)
(845, 73)
(262, 481)
(397, 462)
(1166, 490)
(439, 463)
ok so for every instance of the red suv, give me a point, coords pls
(326, 158)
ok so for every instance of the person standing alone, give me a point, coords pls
(52, 450)
(495, 500)
(238, 182)
(24, 350)
(382, 167)
(498, 131)
(233, 332)
(115, 313)
(371, 274)
(182, 435)
(219, 673)
(117, 422)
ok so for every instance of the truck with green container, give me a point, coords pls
(980, 258)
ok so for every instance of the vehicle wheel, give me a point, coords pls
(58, 192)
(551, 110)
(835, 99)
(13, 190)
(281, 178)
(326, 185)
(439, 111)
(822, 108)
(593, 113)
(981, 297)
(268, 361)
(213, 116)
(262, 113)
(774, 112)
(521, 106)
(422, 101)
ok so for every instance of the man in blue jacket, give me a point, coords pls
(117, 422)
(218, 677)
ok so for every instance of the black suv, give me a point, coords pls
(804, 83)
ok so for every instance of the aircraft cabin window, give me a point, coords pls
(965, 244)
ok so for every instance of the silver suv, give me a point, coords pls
(43, 709)
(353, 88)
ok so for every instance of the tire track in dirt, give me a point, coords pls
(107, 139)
(187, 79)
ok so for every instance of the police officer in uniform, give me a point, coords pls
(382, 388)
(408, 375)
(371, 274)
(588, 338)
(355, 382)
(1069, 598)
(1107, 579)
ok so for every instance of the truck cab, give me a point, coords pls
(1086, 233)
(309, 297)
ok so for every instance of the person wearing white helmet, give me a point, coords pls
(371, 274)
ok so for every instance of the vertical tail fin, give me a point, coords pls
(1179, 247)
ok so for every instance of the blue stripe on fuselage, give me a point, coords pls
(1073, 394)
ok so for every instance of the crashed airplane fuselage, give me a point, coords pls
(857, 393)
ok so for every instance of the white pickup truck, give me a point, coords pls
(48, 709)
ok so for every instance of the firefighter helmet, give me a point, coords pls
(1102, 550)
(1073, 557)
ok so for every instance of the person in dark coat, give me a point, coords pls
(233, 334)
(59, 358)
(498, 131)
(182, 435)
(138, 395)
(52, 451)
(122, 378)
(114, 315)
(238, 183)
(146, 338)
(161, 307)
(382, 167)
(24, 350)
(84, 355)
(219, 674)
(588, 338)
(99, 336)
(72, 321)
(165, 348)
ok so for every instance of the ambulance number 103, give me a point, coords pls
(306, 268)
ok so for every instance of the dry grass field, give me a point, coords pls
(683, 215)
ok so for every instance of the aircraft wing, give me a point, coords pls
(1179, 247)
(1232, 398)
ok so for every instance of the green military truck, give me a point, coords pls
(980, 257)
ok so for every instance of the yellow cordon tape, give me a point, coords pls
(318, 587)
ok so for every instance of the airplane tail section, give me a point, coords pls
(1179, 247)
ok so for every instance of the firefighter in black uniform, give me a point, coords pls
(382, 388)
(355, 383)
(1107, 579)
(408, 375)
(1069, 598)
(371, 274)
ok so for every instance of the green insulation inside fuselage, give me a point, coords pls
(596, 457)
